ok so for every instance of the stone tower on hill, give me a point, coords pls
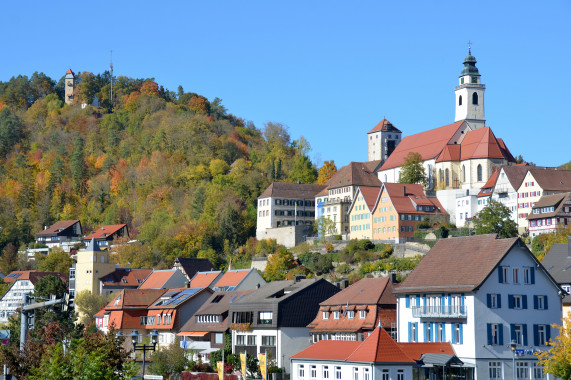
(69, 86)
(382, 140)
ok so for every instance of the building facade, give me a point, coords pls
(549, 214)
(382, 140)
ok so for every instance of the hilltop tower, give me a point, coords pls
(383, 139)
(92, 263)
(69, 86)
(470, 94)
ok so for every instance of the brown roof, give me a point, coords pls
(370, 194)
(368, 291)
(203, 279)
(385, 126)
(125, 277)
(58, 227)
(355, 174)
(552, 179)
(135, 298)
(291, 190)
(484, 254)
(515, 174)
(33, 276)
(403, 195)
(554, 200)
(105, 232)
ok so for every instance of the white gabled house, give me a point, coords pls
(482, 293)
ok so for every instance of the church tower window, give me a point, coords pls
(464, 173)
(479, 173)
(440, 175)
(460, 100)
(475, 98)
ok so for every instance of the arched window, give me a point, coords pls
(464, 173)
(479, 172)
(460, 100)
(440, 176)
(475, 98)
(447, 178)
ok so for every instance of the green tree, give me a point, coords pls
(88, 304)
(9, 260)
(495, 218)
(303, 170)
(169, 360)
(78, 167)
(412, 170)
(278, 265)
(44, 289)
(56, 261)
(325, 226)
(11, 131)
(557, 360)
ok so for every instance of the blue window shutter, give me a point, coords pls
(444, 332)
(424, 299)
(418, 300)
(407, 302)
(416, 329)
(443, 300)
(532, 275)
(500, 275)
(499, 300)
(545, 302)
(461, 334)
(535, 335)
(535, 302)
(524, 301)
(547, 333)
(462, 302)
(409, 332)
(489, 299)
(501, 332)
(489, 334)
(426, 338)
(524, 328)
(510, 301)
(452, 334)
(449, 299)
(512, 332)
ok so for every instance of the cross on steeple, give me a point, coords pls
(469, 47)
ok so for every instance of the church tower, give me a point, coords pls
(470, 94)
(383, 139)
(69, 86)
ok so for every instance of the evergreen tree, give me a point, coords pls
(78, 168)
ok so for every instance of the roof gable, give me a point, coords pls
(367, 291)
(385, 126)
(291, 190)
(379, 347)
(405, 197)
(355, 174)
(60, 227)
(481, 143)
(106, 232)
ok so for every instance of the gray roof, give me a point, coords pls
(440, 360)
(276, 291)
(558, 263)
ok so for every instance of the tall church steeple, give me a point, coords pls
(470, 94)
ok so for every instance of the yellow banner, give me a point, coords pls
(243, 364)
(220, 368)
(262, 362)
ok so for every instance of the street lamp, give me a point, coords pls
(144, 347)
(513, 347)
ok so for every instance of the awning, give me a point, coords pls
(192, 333)
(209, 350)
(431, 360)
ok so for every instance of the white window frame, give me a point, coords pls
(517, 301)
(301, 371)
(325, 315)
(313, 372)
(362, 314)
(541, 335)
(495, 370)
(325, 372)
(522, 370)
(338, 373)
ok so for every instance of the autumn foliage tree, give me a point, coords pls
(557, 360)
(326, 171)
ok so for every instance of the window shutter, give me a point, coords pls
(452, 333)
(512, 332)
(510, 301)
(524, 301)
(409, 332)
(532, 275)
(489, 299)
(418, 300)
(416, 329)
(443, 301)
(499, 300)
(444, 332)
(490, 338)
(426, 337)
(450, 300)
(500, 275)
(524, 328)
(535, 302)
(501, 333)
(547, 333)
(407, 302)
(535, 335)
(462, 303)
(545, 302)
(424, 300)
(461, 334)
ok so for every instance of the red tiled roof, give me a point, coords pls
(58, 227)
(385, 126)
(379, 347)
(492, 180)
(203, 279)
(135, 298)
(451, 152)
(416, 350)
(33, 276)
(481, 143)
(232, 277)
(69, 71)
(104, 232)
(157, 279)
(370, 194)
(355, 174)
(367, 291)
(402, 195)
(125, 277)
(328, 350)
(428, 144)
(485, 253)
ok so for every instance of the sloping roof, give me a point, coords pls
(174, 298)
(481, 143)
(291, 190)
(554, 200)
(451, 152)
(403, 195)
(134, 298)
(486, 190)
(157, 279)
(69, 71)
(515, 174)
(355, 174)
(505, 151)
(125, 277)
(276, 291)
(428, 144)
(385, 126)
(204, 279)
(374, 314)
(33, 276)
(191, 266)
(105, 232)
(58, 227)
(485, 253)
(232, 277)
(552, 179)
(370, 195)
(416, 350)
(328, 350)
(557, 261)
(367, 291)
(379, 347)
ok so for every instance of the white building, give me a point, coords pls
(382, 140)
(487, 293)
(505, 191)
(466, 207)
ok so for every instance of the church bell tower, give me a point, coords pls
(470, 94)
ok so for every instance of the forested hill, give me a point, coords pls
(177, 168)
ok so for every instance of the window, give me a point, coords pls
(355, 373)
(460, 97)
(366, 374)
(325, 315)
(268, 340)
(522, 370)
(515, 275)
(313, 372)
(479, 172)
(385, 374)
(326, 372)
(412, 335)
(350, 314)
(301, 371)
(440, 337)
(495, 337)
(362, 314)
(518, 334)
(475, 98)
(457, 333)
(218, 338)
(541, 335)
(538, 371)
(494, 301)
(447, 177)
(400, 374)
(540, 302)
(240, 340)
(265, 317)
(336, 314)
(251, 340)
(495, 370)
(337, 373)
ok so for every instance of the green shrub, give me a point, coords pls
(337, 237)
(441, 232)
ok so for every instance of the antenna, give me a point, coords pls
(111, 78)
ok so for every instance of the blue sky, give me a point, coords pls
(330, 70)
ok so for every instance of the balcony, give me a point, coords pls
(446, 311)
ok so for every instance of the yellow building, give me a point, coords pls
(360, 212)
(92, 263)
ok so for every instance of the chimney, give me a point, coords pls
(404, 191)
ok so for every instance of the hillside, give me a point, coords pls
(178, 169)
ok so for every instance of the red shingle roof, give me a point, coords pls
(355, 174)
(379, 347)
(33, 276)
(232, 277)
(125, 277)
(403, 195)
(203, 279)
(481, 143)
(157, 279)
(104, 232)
(368, 291)
(370, 194)
(385, 126)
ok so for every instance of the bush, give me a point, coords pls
(329, 247)
(441, 232)
(344, 269)
(337, 237)
(420, 234)
(424, 224)
(537, 245)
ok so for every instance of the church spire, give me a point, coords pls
(470, 94)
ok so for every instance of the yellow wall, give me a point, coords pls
(385, 219)
(89, 268)
(360, 220)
